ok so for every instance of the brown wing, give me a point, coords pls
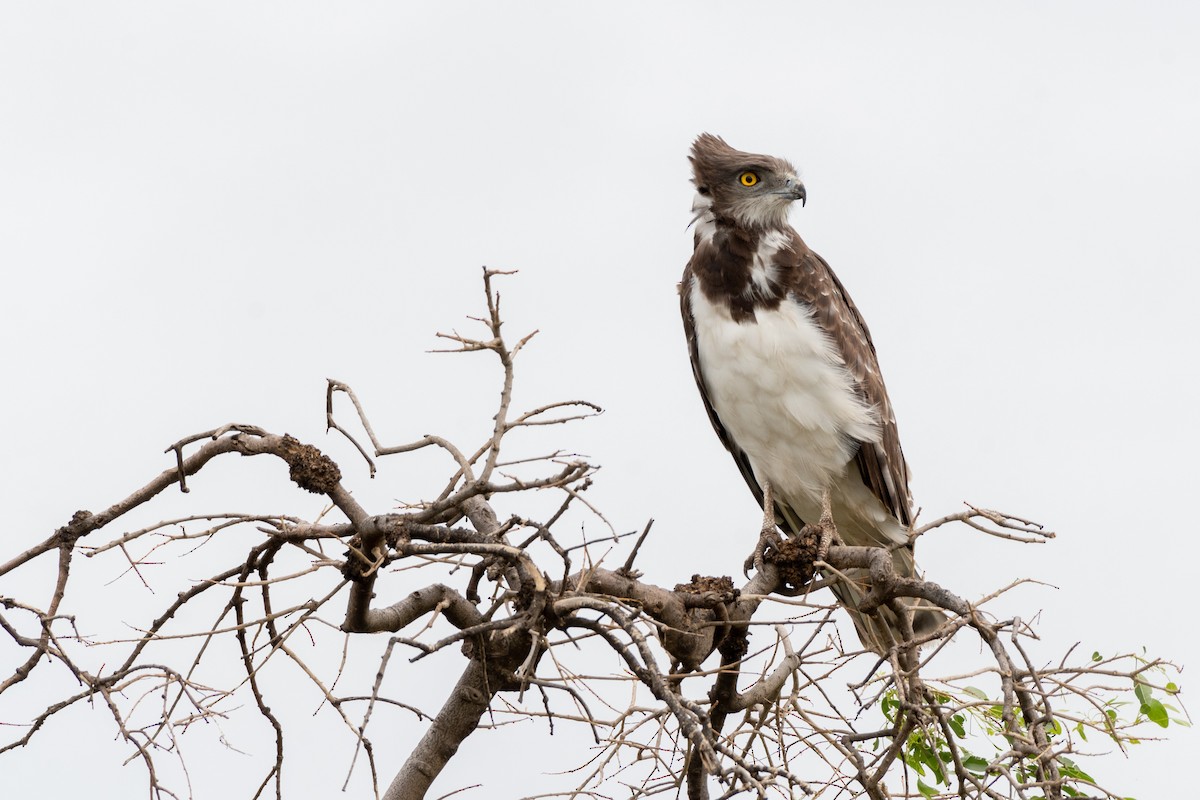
(881, 463)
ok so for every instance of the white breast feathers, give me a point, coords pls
(783, 394)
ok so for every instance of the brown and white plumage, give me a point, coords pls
(787, 369)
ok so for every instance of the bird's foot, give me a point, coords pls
(768, 536)
(768, 541)
(825, 530)
(825, 535)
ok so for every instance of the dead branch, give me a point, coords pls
(695, 705)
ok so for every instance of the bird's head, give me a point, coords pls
(752, 191)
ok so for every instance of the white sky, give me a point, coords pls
(207, 209)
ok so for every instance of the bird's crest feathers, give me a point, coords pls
(748, 190)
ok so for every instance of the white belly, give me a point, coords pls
(784, 395)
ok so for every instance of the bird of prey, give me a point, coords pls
(788, 373)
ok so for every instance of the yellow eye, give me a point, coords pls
(748, 179)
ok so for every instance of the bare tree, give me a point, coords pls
(801, 713)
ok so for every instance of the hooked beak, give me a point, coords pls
(793, 189)
(798, 192)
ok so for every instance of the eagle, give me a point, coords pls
(789, 376)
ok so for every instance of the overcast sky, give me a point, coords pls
(208, 209)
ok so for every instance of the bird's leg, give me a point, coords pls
(826, 529)
(767, 536)
(768, 504)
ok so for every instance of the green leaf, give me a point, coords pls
(1079, 729)
(978, 694)
(1070, 769)
(1172, 688)
(1142, 691)
(956, 725)
(1156, 713)
(913, 760)
(975, 764)
(928, 791)
(921, 755)
(1096, 656)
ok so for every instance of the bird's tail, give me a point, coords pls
(880, 629)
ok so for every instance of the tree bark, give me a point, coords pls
(454, 723)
